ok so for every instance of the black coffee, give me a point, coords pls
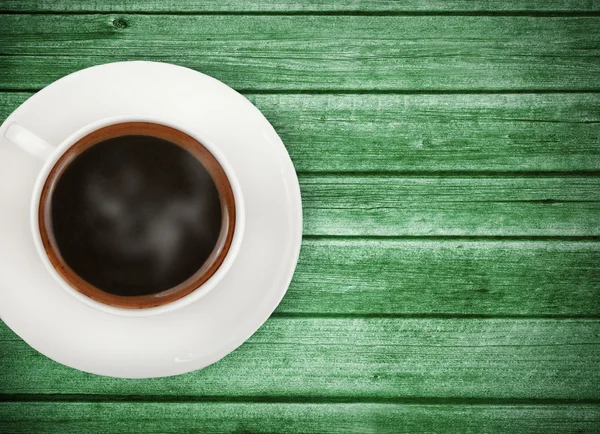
(135, 215)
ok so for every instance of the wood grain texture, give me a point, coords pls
(429, 133)
(290, 6)
(370, 358)
(315, 52)
(211, 417)
(456, 206)
(383, 329)
(448, 277)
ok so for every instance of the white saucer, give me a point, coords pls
(53, 322)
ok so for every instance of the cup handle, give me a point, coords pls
(28, 141)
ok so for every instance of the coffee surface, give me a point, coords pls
(135, 215)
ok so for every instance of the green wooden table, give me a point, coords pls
(449, 159)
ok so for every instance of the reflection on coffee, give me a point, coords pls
(135, 215)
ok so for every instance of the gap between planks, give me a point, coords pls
(482, 238)
(313, 6)
(309, 92)
(274, 399)
(513, 13)
(329, 315)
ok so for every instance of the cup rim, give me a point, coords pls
(185, 300)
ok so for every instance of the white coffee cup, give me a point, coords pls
(40, 148)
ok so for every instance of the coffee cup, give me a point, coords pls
(134, 215)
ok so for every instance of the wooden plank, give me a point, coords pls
(446, 277)
(450, 206)
(213, 417)
(370, 358)
(190, 6)
(315, 52)
(429, 133)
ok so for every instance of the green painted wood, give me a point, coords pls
(359, 322)
(346, 358)
(456, 206)
(447, 277)
(315, 52)
(321, 6)
(211, 417)
(429, 133)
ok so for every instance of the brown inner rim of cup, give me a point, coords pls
(179, 138)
